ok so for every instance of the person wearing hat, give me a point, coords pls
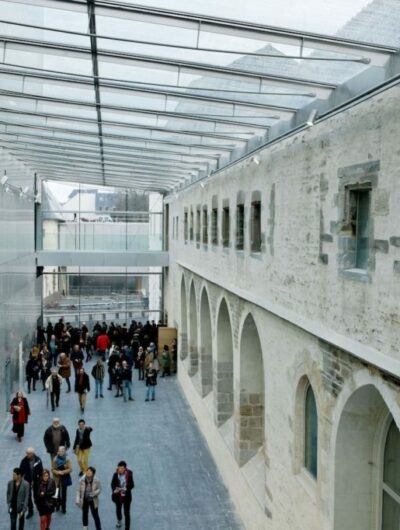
(122, 485)
(31, 470)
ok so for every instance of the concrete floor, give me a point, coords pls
(177, 484)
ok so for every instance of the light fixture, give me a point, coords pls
(203, 185)
(7, 189)
(256, 159)
(4, 179)
(312, 117)
(26, 189)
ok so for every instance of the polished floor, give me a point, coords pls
(177, 486)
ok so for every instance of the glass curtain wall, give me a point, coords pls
(83, 217)
(113, 295)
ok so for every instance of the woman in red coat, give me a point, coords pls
(19, 408)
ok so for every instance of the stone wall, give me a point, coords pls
(318, 322)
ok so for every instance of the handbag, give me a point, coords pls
(66, 480)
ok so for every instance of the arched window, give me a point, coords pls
(391, 480)
(310, 433)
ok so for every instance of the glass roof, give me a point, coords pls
(158, 94)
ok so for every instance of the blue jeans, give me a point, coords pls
(127, 389)
(151, 390)
(98, 387)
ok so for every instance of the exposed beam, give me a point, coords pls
(132, 139)
(321, 89)
(95, 80)
(121, 124)
(147, 112)
(73, 144)
(167, 94)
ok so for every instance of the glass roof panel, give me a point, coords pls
(363, 20)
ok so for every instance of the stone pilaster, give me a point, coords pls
(183, 346)
(223, 392)
(249, 426)
(193, 360)
(206, 374)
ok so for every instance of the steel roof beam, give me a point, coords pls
(88, 80)
(132, 139)
(137, 110)
(109, 158)
(321, 89)
(74, 143)
(119, 123)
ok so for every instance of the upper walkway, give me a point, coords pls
(177, 486)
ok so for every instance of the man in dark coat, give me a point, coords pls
(82, 445)
(17, 499)
(82, 386)
(31, 470)
(54, 436)
(122, 485)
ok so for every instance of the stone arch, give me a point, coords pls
(193, 344)
(249, 424)
(358, 460)
(223, 366)
(183, 345)
(205, 350)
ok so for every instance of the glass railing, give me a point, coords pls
(103, 296)
(115, 231)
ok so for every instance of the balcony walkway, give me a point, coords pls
(177, 484)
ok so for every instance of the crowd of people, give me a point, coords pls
(61, 351)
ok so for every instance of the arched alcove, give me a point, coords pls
(183, 346)
(193, 345)
(223, 367)
(206, 367)
(249, 421)
(361, 440)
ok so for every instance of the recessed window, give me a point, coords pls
(240, 227)
(198, 221)
(255, 226)
(185, 226)
(310, 433)
(205, 225)
(391, 480)
(191, 227)
(225, 226)
(177, 228)
(359, 201)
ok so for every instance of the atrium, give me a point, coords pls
(232, 172)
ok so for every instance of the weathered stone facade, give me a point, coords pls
(319, 321)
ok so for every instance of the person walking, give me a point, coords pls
(87, 497)
(165, 361)
(31, 470)
(82, 386)
(54, 436)
(151, 382)
(126, 378)
(53, 385)
(64, 369)
(77, 357)
(62, 469)
(45, 500)
(17, 499)
(102, 344)
(117, 379)
(32, 369)
(122, 485)
(53, 349)
(82, 445)
(19, 408)
(98, 372)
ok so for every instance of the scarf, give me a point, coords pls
(61, 460)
